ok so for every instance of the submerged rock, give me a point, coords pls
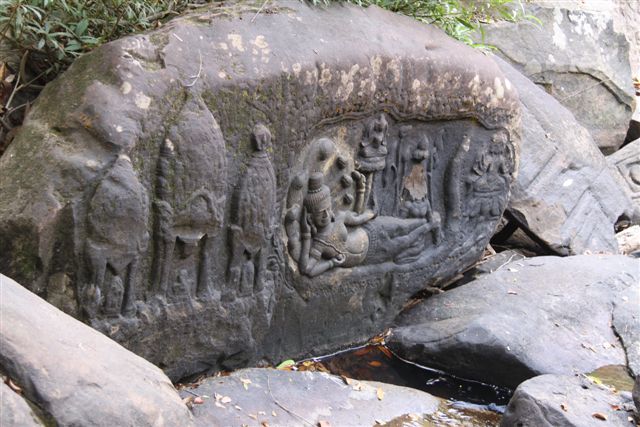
(566, 194)
(531, 317)
(247, 183)
(258, 397)
(567, 401)
(75, 375)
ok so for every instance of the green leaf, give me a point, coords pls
(82, 27)
(286, 364)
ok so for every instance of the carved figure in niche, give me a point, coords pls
(372, 157)
(189, 210)
(416, 192)
(116, 238)
(349, 238)
(253, 216)
(488, 180)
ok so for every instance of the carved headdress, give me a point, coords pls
(318, 196)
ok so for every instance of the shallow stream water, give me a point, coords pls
(465, 402)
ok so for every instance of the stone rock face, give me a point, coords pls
(627, 162)
(14, 411)
(566, 195)
(531, 317)
(240, 185)
(564, 401)
(309, 399)
(580, 59)
(75, 375)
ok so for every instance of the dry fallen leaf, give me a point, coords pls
(255, 417)
(599, 415)
(219, 405)
(13, 386)
(245, 383)
(375, 364)
(198, 400)
(512, 292)
(380, 394)
(225, 399)
(564, 407)
(347, 381)
(274, 413)
(264, 424)
(616, 407)
(324, 423)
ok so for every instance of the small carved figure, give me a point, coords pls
(253, 215)
(372, 156)
(488, 181)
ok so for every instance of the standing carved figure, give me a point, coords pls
(189, 209)
(117, 237)
(253, 216)
(372, 157)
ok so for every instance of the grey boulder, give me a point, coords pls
(258, 397)
(75, 375)
(531, 317)
(565, 401)
(579, 58)
(566, 194)
(14, 410)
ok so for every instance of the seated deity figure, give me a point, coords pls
(348, 238)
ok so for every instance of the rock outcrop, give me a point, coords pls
(566, 194)
(544, 315)
(75, 375)
(556, 400)
(579, 58)
(258, 397)
(248, 183)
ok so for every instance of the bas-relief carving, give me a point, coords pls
(488, 180)
(253, 219)
(392, 198)
(189, 207)
(116, 238)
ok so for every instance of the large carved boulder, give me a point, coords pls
(581, 58)
(243, 184)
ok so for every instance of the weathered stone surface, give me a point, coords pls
(565, 193)
(627, 162)
(629, 241)
(76, 375)
(14, 411)
(536, 316)
(238, 185)
(565, 401)
(309, 398)
(636, 393)
(580, 59)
